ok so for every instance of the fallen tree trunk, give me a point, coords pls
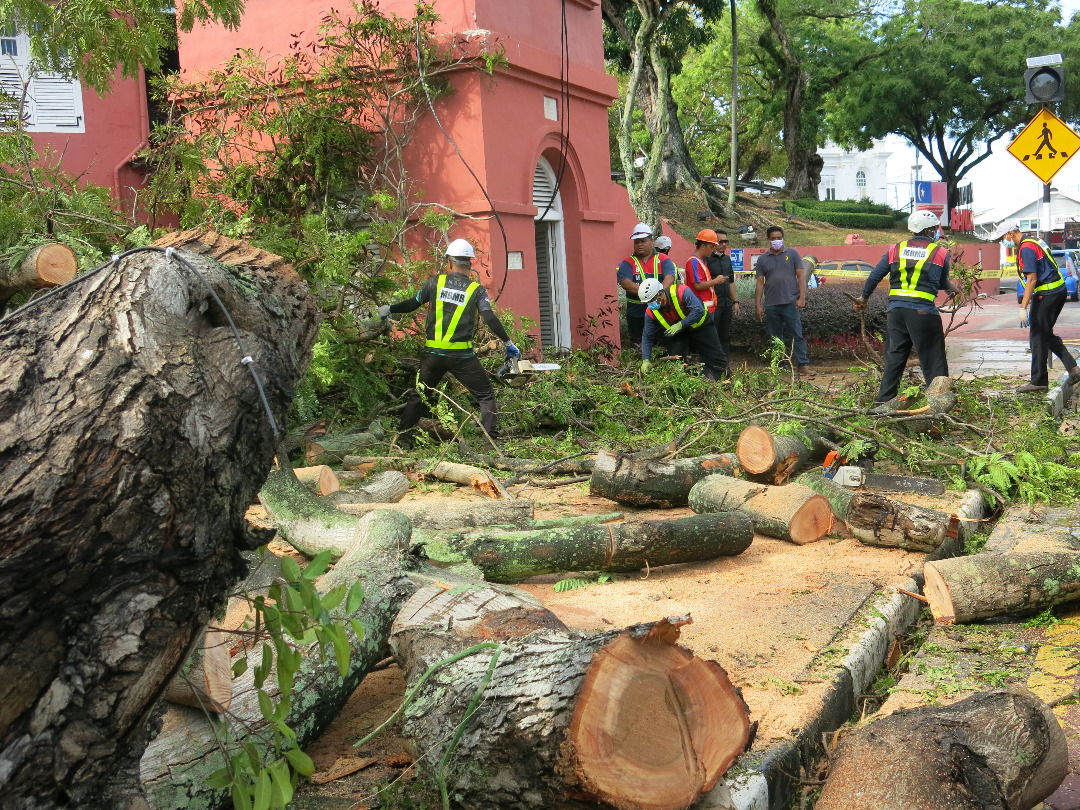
(879, 521)
(1028, 568)
(792, 512)
(205, 679)
(134, 439)
(178, 762)
(1000, 749)
(385, 487)
(617, 548)
(319, 479)
(565, 466)
(516, 513)
(473, 477)
(773, 459)
(639, 481)
(626, 718)
(333, 449)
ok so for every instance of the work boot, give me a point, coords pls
(1030, 388)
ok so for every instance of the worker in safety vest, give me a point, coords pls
(1044, 296)
(679, 315)
(455, 301)
(643, 263)
(917, 269)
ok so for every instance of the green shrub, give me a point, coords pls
(853, 206)
(846, 219)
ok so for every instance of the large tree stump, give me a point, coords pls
(627, 718)
(1001, 749)
(1027, 567)
(774, 459)
(791, 512)
(638, 481)
(47, 265)
(133, 440)
(618, 548)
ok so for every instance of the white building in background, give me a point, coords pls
(1063, 208)
(849, 175)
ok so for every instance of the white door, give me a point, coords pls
(552, 291)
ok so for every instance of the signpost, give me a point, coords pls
(1045, 145)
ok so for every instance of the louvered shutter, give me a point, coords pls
(543, 284)
(544, 190)
(57, 103)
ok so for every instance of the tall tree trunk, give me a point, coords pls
(133, 440)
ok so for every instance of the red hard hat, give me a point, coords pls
(707, 235)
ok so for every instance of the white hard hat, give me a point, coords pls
(662, 243)
(641, 231)
(648, 290)
(920, 220)
(460, 249)
(1008, 226)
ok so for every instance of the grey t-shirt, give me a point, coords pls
(778, 270)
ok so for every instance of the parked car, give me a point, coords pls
(843, 268)
(1069, 262)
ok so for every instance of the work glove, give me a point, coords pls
(384, 311)
(645, 366)
(1024, 319)
(858, 303)
(512, 351)
(672, 331)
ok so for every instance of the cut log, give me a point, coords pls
(774, 459)
(385, 487)
(206, 680)
(792, 512)
(516, 513)
(180, 759)
(617, 548)
(1000, 749)
(48, 265)
(134, 440)
(1028, 568)
(566, 466)
(320, 479)
(333, 449)
(636, 481)
(624, 718)
(469, 476)
(879, 521)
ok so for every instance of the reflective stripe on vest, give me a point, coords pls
(459, 299)
(676, 302)
(710, 303)
(640, 274)
(910, 281)
(1050, 285)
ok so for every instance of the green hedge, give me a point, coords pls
(853, 206)
(845, 219)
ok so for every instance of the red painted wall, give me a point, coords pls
(117, 126)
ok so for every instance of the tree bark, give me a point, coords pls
(774, 459)
(177, 763)
(385, 487)
(879, 521)
(515, 514)
(1026, 568)
(647, 482)
(566, 466)
(618, 548)
(333, 449)
(133, 441)
(473, 477)
(626, 718)
(1000, 749)
(792, 512)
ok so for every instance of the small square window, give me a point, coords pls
(551, 108)
(515, 260)
(9, 46)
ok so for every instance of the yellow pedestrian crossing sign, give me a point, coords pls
(1045, 144)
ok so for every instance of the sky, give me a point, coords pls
(1001, 184)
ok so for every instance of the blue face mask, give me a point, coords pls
(654, 305)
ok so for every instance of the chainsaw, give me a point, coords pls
(517, 373)
(842, 472)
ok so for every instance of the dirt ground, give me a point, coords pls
(766, 616)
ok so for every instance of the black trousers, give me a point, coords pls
(703, 342)
(722, 314)
(635, 324)
(908, 327)
(469, 372)
(1042, 317)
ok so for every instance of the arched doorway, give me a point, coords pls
(552, 291)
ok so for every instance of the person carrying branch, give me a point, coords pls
(680, 316)
(1044, 296)
(917, 269)
(455, 301)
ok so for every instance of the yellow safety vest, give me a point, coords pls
(1050, 285)
(443, 337)
(909, 280)
(640, 273)
(675, 296)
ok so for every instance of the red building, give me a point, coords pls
(561, 247)
(93, 137)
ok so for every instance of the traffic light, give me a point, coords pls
(1044, 85)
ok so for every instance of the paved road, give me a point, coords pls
(991, 342)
